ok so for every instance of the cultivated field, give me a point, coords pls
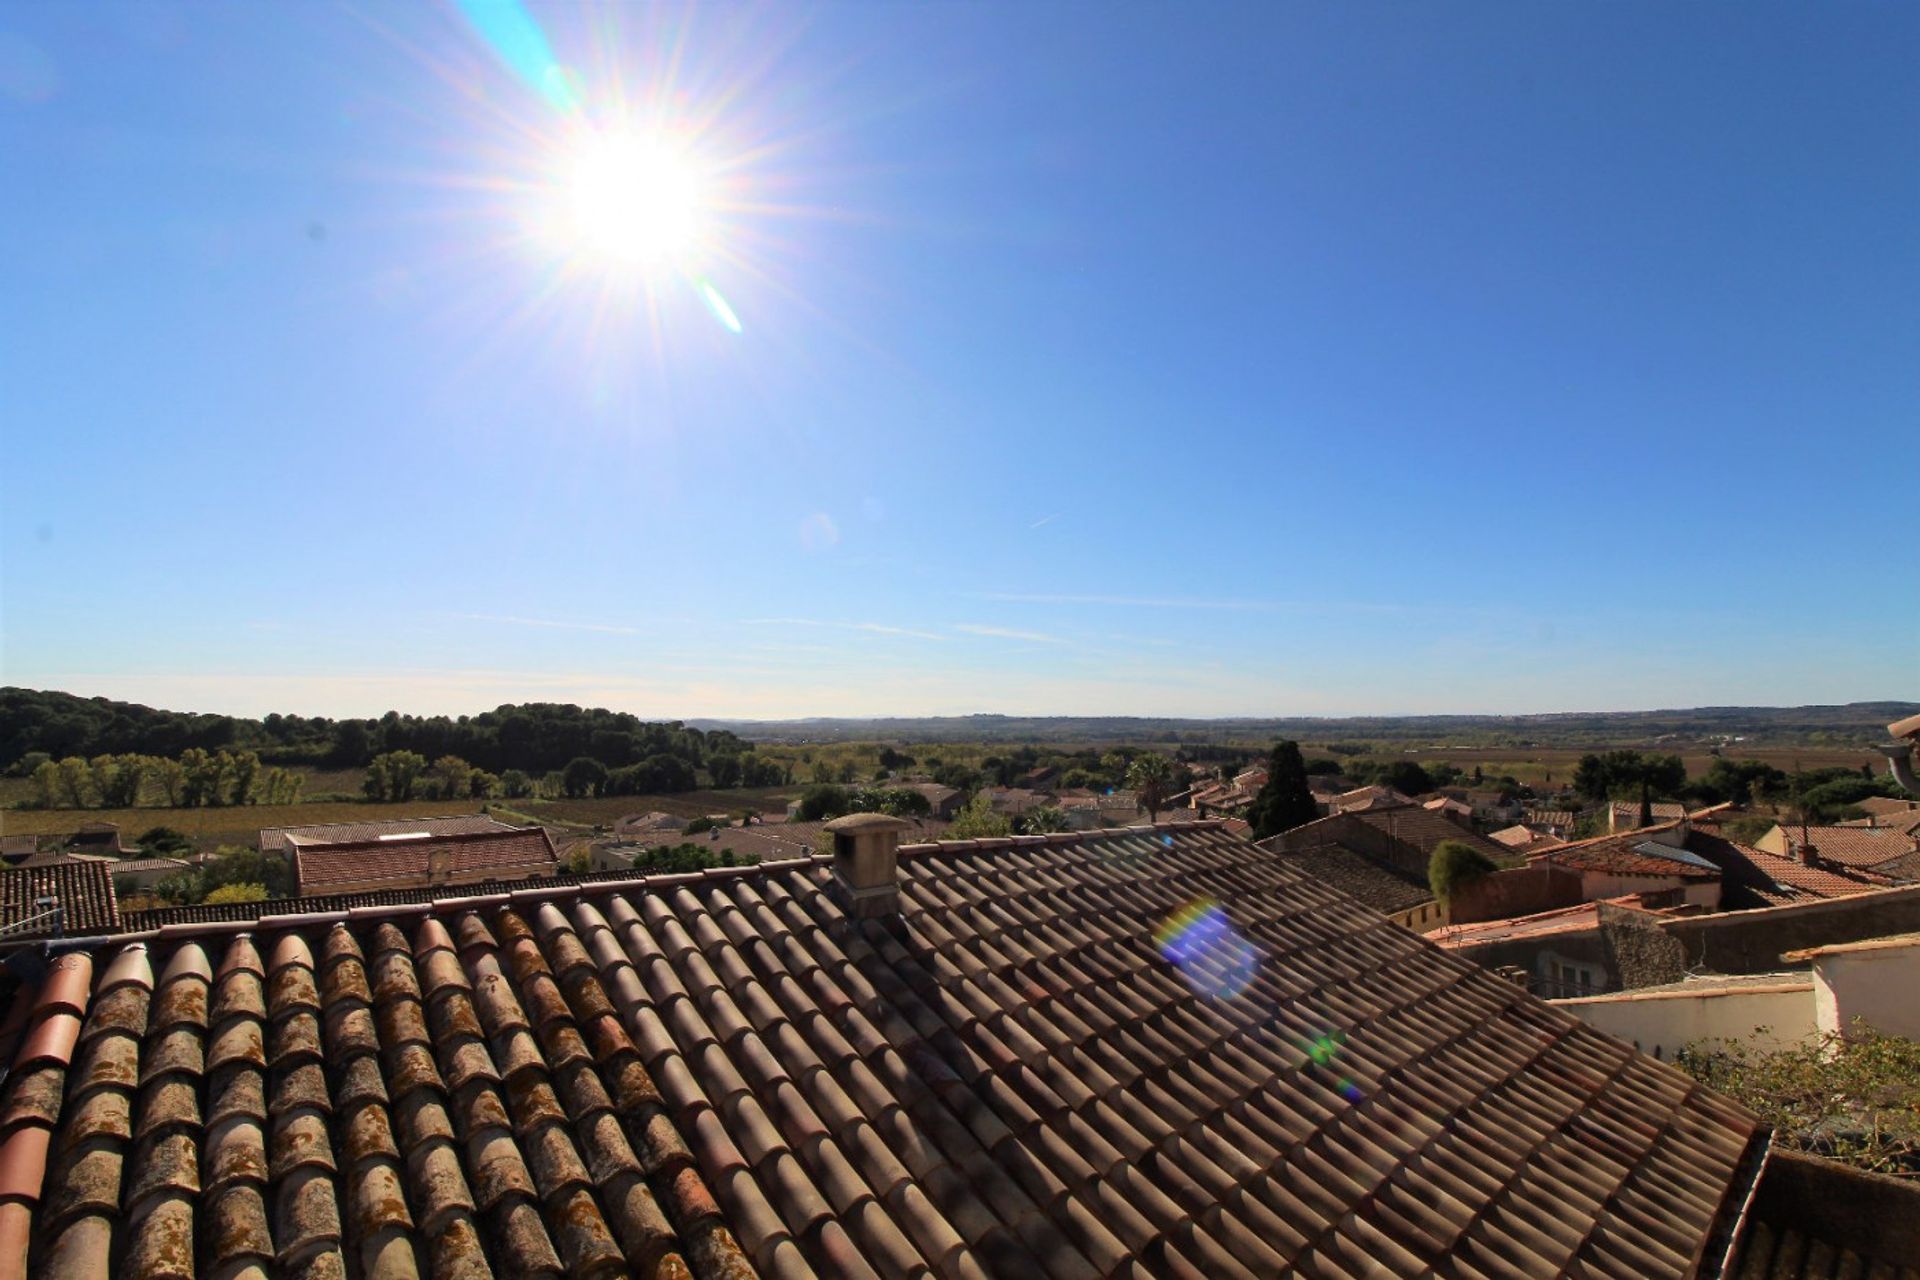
(212, 827)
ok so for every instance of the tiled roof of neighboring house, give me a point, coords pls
(1524, 839)
(1383, 888)
(1904, 869)
(56, 857)
(1014, 799)
(1888, 806)
(146, 866)
(777, 840)
(1905, 820)
(1755, 878)
(1633, 853)
(1626, 813)
(274, 839)
(1584, 918)
(84, 890)
(634, 823)
(1361, 799)
(1140, 1053)
(1549, 817)
(321, 868)
(18, 846)
(1857, 847)
(1424, 829)
(935, 793)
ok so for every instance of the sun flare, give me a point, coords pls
(631, 201)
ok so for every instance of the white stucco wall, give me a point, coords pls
(1663, 1022)
(1879, 984)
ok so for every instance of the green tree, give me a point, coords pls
(582, 775)
(452, 778)
(481, 785)
(281, 786)
(76, 781)
(164, 842)
(1285, 801)
(394, 775)
(117, 778)
(977, 820)
(823, 800)
(1455, 865)
(516, 784)
(242, 768)
(725, 770)
(1407, 777)
(1041, 820)
(239, 891)
(46, 785)
(1151, 777)
(172, 777)
(27, 764)
(203, 779)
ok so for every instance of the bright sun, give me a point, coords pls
(632, 201)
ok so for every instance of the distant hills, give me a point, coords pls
(1855, 724)
(62, 723)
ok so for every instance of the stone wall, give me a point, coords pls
(1518, 891)
(1651, 950)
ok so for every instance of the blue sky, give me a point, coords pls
(1092, 359)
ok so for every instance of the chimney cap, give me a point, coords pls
(866, 823)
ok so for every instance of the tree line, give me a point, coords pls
(534, 737)
(197, 779)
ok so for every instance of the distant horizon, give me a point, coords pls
(765, 362)
(658, 716)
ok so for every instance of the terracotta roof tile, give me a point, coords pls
(274, 839)
(362, 864)
(83, 890)
(723, 1076)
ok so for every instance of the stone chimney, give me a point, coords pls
(439, 863)
(866, 863)
(1808, 855)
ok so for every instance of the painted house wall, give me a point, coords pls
(1664, 1022)
(1880, 986)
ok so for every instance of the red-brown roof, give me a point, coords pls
(83, 890)
(476, 853)
(1860, 847)
(1635, 853)
(1149, 1052)
(274, 839)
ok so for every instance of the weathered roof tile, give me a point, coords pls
(717, 1075)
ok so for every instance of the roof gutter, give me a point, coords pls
(1717, 1262)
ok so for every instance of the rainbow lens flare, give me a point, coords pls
(1201, 942)
(517, 40)
(1320, 1054)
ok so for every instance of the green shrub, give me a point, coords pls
(1455, 865)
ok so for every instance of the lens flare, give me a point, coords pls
(517, 40)
(718, 305)
(1320, 1054)
(1201, 942)
(623, 201)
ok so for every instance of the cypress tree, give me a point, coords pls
(1285, 801)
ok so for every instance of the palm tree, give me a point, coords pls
(1151, 776)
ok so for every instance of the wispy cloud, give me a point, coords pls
(1137, 602)
(557, 624)
(1046, 520)
(1008, 633)
(871, 628)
